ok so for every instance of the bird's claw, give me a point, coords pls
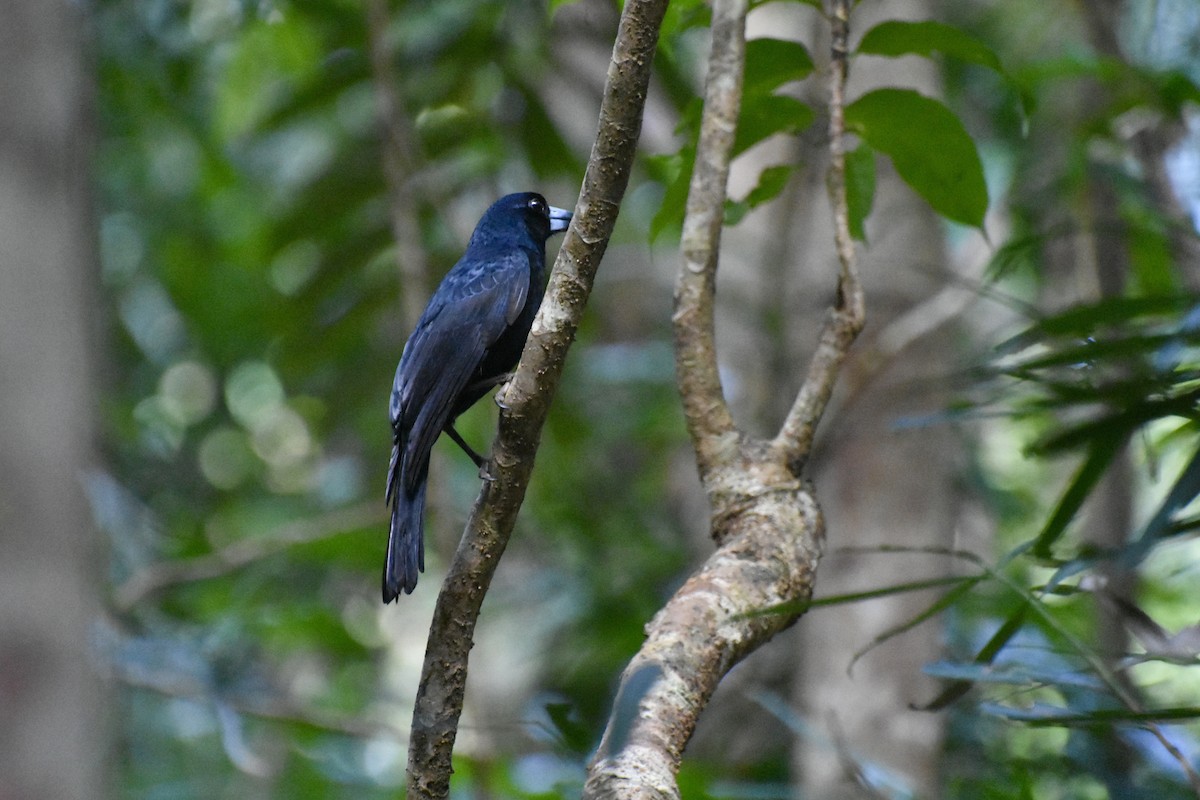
(485, 472)
(502, 395)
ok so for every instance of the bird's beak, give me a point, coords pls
(560, 218)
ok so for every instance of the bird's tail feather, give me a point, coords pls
(406, 540)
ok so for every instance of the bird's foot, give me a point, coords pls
(485, 472)
(502, 395)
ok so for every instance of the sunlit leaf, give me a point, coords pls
(929, 147)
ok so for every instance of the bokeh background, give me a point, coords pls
(219, 219)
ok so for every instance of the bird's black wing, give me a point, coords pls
(471, 309)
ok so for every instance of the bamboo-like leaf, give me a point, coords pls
(1185, 490)
(986, 655)
(1101, 454)
(1044, 714)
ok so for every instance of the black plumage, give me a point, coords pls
(468, 339)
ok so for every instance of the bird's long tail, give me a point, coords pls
(406, 540)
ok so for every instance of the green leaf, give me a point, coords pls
(929, 147)
(770, 183)
(678, 176)
(1102, 452)
(1083, 320)
(769, 114)
(1042, 714)
(1185, 490)
(984, 658)
(899, 38)
(860, 188)
(770, 63)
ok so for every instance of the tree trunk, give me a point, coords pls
(52, 721)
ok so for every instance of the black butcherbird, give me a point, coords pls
(468, 340)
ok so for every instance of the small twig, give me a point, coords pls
(242, 552)
(399, 165)
(443, 678)
(795, 437)
(173, 684)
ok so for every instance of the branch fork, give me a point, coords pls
(765, 520)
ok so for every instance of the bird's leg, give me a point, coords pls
(487, 383)
(466, 448)
(480, 461)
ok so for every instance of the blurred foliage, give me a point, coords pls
(249, 268)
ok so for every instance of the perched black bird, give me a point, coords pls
(468, 339)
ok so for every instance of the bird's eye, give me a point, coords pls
(538, 205)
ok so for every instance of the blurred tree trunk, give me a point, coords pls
(52, 729)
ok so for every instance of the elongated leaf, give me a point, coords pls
(1102, 452)
(898, 38)
(1121, 423)
(1185, 490)
(801, 606)
(929, 147)
(1082, 320)
(987, 654)
(938, 606)
(1012, 674)
(1046, 714)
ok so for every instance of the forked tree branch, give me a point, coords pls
(440, 695)
(765, 521)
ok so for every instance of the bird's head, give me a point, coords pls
(520, 215)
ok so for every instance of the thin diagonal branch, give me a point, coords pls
(794, 440)
(242, 551)
(709, 422)
(443, 678)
